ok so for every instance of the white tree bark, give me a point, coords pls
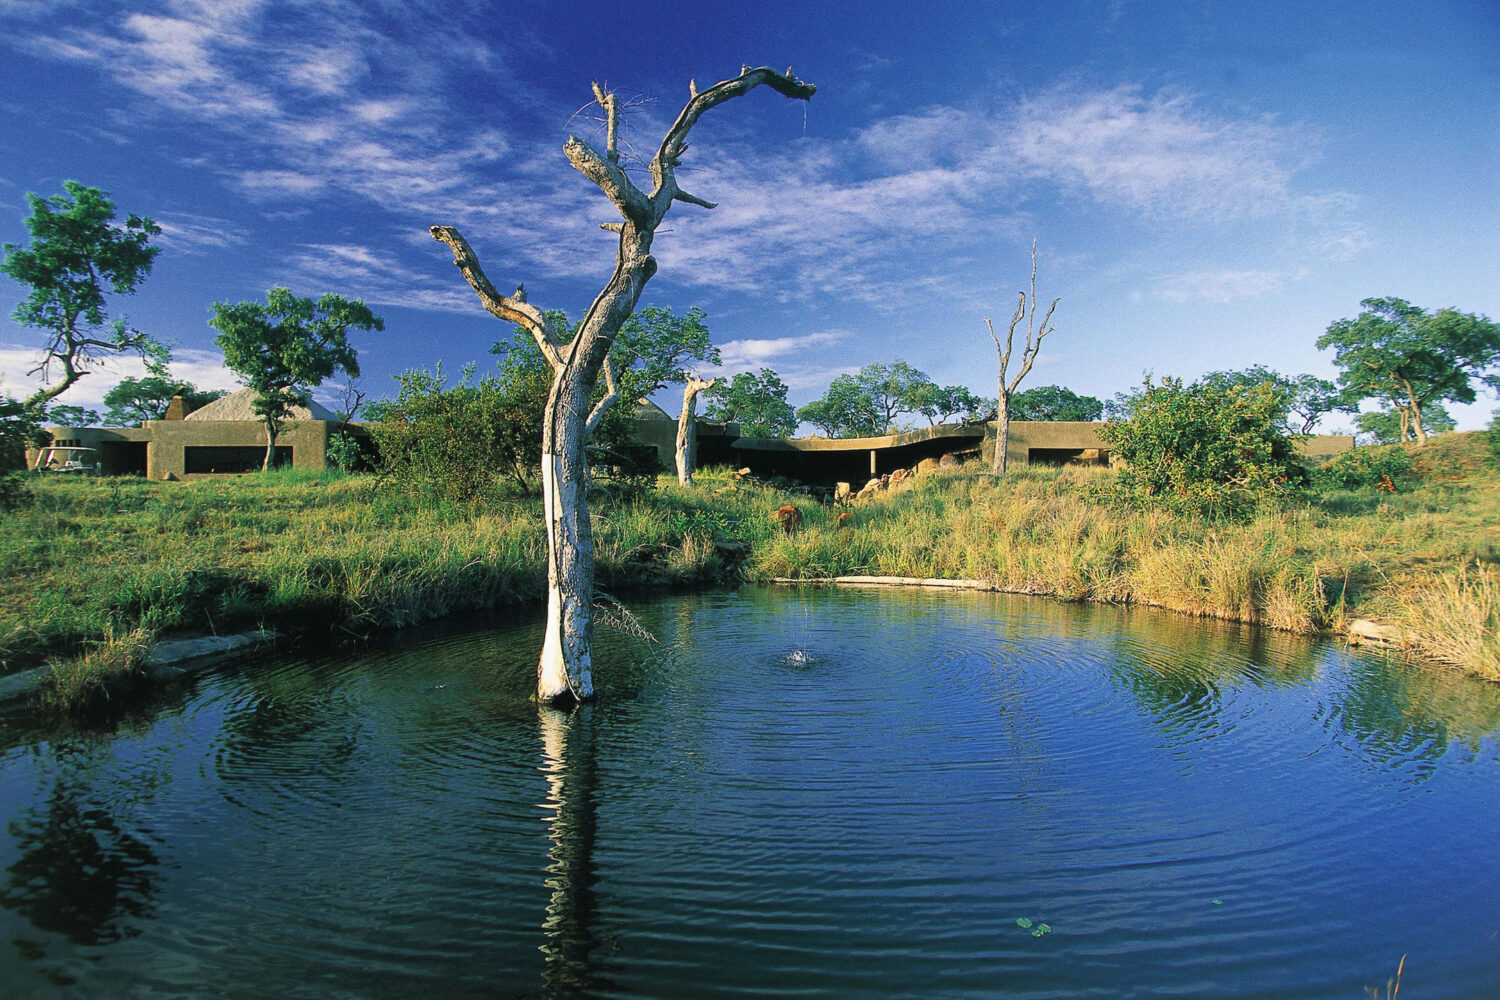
(565, 670)
(687, 426)
(1028, 358)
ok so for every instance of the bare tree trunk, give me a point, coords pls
(1028, 358)
(1002, 434)
(565, 669)
(687, 427)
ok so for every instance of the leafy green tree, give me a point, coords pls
(756, 401)
(1054, 402)
(941, 404)
(1205, 449)
(1308, 397)
(286, 347)
(1394, 426)
(845, 410)
(1401, 353)
(76, 256)
(868, 402)
(72, 416)
(134, 400)
(20, 428)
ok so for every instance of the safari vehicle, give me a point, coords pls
(69, 459)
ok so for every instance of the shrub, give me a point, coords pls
(1204, 450)
(1363, 468)
(451, 444)
(1492, 437)
(343, 452)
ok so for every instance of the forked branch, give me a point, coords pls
(513, 308)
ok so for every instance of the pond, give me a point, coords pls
(811, 793)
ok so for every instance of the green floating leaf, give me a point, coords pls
(1042, 929)
(1217, 902)
(1023, 922)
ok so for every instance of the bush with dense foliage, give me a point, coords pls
(437, 442)
(1204, 450)
(1363, 468)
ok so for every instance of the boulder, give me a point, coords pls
(926, 465)
(841, 493)
(948, 461)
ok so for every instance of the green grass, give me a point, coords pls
(91, 563)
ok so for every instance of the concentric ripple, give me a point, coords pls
(804, 793)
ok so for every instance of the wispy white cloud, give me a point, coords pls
(189, 233)
(1220, 286)
(895, 210)
(741, 355)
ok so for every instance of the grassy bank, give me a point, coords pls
(93, 566)
(1422, 558)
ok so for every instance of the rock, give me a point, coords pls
(947, 461)
(898, 475)
(731, 550)
(1364, 630)
(869, 491)
(926, 465)
(841, 493)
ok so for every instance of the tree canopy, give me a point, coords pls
(1394, 426)
(1405, 356)
(287, 346)
(1307, 397)
(867, 403)
(76, 256)
(133, 400)
(1054, 402)
(754, 400)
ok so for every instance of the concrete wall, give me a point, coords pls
(166, 443)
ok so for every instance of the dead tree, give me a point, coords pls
(1028, 358)
(687, 426)
(564, 673)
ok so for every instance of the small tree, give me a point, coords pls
(565, 670)
(1205, 450)
(72, 416)
(754, 400)
(1054, 402)
(1394, 426)
(1308, 397)
(1034, 335)
(75, 256)
(1397, 351)
(868, 402)
(133, 400)
(845, 410)
(286, 348)
(939, 404)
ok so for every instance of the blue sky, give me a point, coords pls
(1210, 184)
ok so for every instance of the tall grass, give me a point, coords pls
(90, 563)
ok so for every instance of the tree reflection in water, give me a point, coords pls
(79, 874)
(571, 875)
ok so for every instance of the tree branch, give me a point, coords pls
(512, 309)
(674, 143)
(611, 180)
(611, 393)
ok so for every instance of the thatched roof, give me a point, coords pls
(239, 406)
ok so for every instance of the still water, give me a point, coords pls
(794, 793)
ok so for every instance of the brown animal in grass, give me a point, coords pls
(788, 517)
(845, 519)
